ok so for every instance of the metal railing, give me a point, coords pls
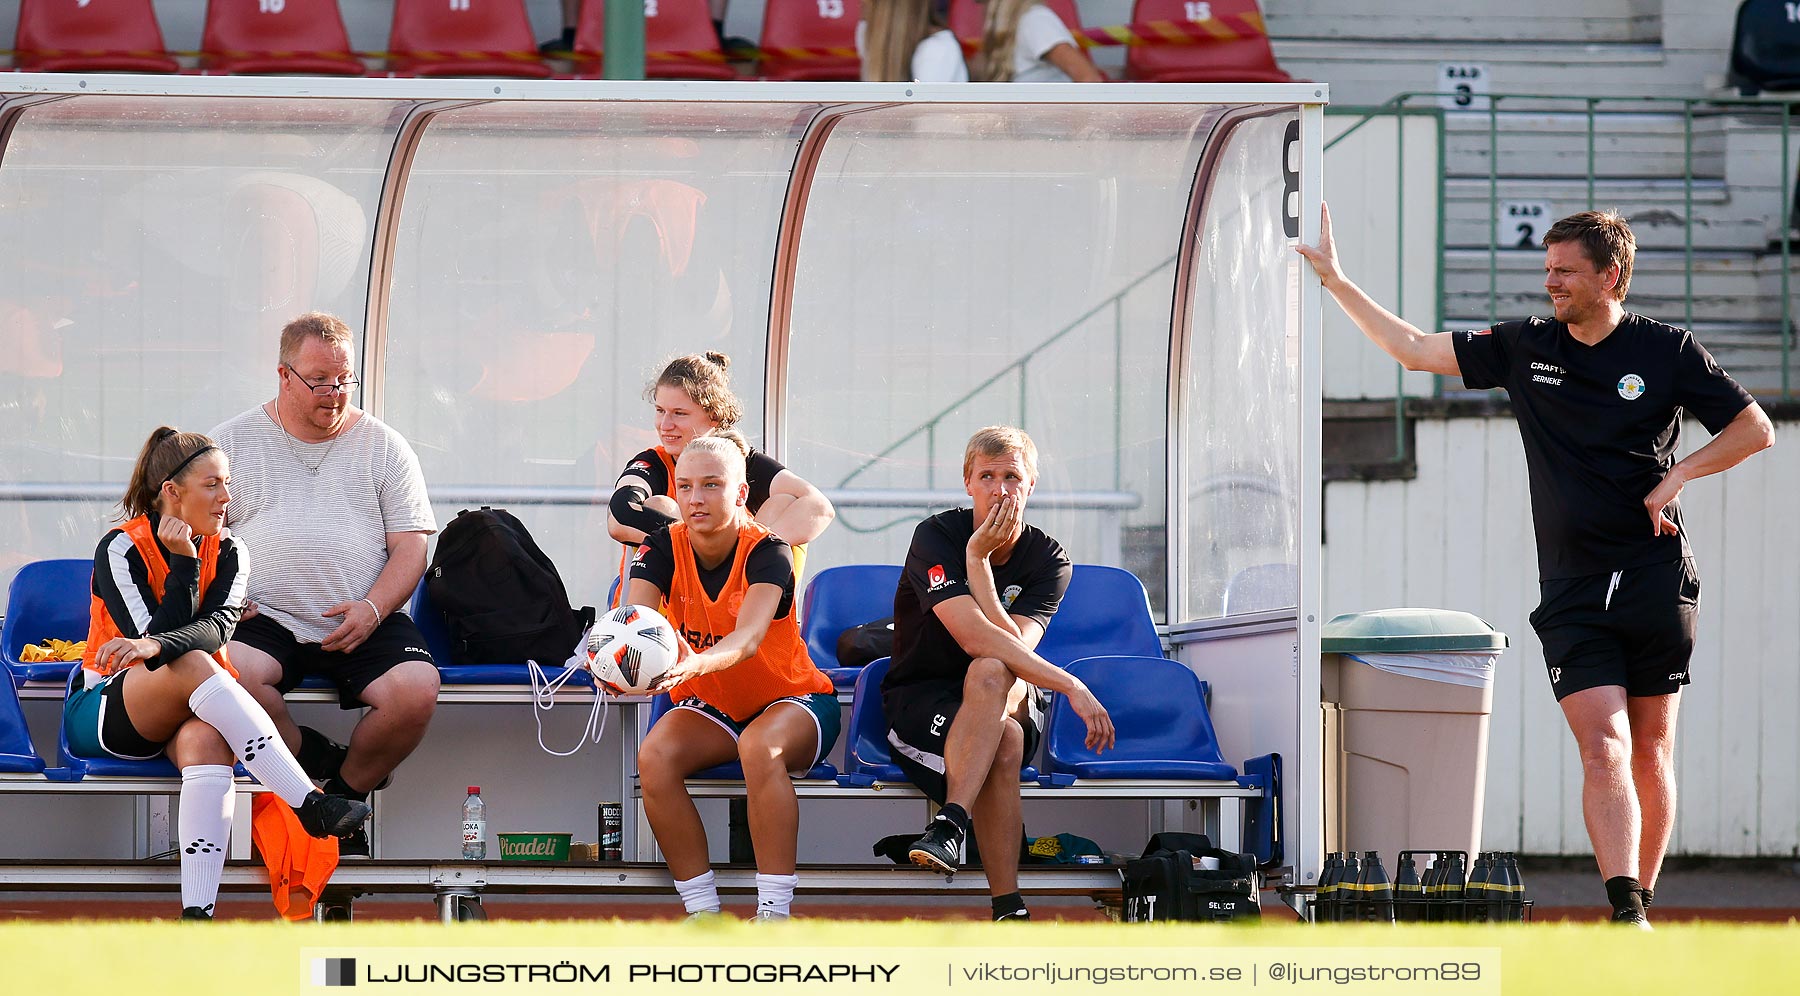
(1594, 110)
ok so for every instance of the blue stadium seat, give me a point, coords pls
(17, 755)
(869, 757)
(437, 640)
(838, 598)
(1105, 612)
(732, 771)
(48, 599)
(1158, 710)
(1261, 588)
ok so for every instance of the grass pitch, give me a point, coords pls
(153, 958)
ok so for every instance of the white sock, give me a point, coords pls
(699, 894)
(224, 705)
(204, 826)
(775, 893)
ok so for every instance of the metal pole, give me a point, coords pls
(1590, 152)
(1400, 274)
(624, 59)
(1118, 393)
(1787, 223)
(1687, 182)
(1493, 206)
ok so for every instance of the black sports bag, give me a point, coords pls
(502, 599)
(1164, 884)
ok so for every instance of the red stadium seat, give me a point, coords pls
(670, 26)
(277, 36)
(1240, 52)
(967, 16)
(463, 38)
(813, 26)
(57, 36)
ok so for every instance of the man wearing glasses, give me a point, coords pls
(332, 506)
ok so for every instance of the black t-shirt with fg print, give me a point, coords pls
(1600, 425)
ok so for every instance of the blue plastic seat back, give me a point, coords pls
(1158, 710)
(1105, 612)
(436, 631)
(16, 752)
(1263, 587)
(868, 753)
(49, 599)
(731, 770)
(838, 598)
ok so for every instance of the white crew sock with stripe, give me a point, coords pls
(699, 894)
(224, 705)
(203, 825)
(775, 893)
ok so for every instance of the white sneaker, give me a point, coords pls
(767, 916)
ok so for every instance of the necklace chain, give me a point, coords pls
(311, 468)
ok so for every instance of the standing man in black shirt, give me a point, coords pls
(963, 697)
(1599, 394)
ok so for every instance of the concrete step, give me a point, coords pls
(1727, 286)
(1521, 21)
(1549, 144)
(1656, 208)
(1367, 71)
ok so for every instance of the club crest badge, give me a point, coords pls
(1631, 387)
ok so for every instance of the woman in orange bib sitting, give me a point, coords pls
(692, 397)
(168, 590)
(746, 692)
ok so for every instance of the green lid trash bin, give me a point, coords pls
(1406, 695)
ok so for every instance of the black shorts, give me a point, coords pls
(919, 717)
(1633, 628)
(394, 642)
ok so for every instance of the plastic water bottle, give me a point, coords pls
(474, 826)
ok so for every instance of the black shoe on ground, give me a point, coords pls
(331, 815)
(1632, 918)
(939, 848)
(564, 42)
(1016, 916)
(356, 845)
(197, 913)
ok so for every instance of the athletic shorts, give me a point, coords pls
(821, 706)
(98, 726)
(1632, 628)
(919, 717)
(394, 642)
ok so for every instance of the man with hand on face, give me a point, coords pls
(964, 695)
(1599, 394)
(333, 502)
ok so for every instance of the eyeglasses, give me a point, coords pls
(328, 388)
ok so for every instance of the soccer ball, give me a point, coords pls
(629, 648)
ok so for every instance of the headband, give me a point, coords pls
(190, 459)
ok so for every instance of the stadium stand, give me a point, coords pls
(1765, 48)
(795, 34)
(48, 599)
(868, 760)
(120, 36)
(966, 17)
(297, 36)
(475, 38)
(838, 598)
(670, 26)
(1238, 53)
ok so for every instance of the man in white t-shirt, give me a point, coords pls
(333, 504)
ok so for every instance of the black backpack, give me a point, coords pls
(501, 597)
(1165, 885)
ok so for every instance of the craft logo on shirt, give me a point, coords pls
(1470, 336)
(642, 552)
(1547, 373)
(639, 465)
(1010, 595)
(937, 577)
(1631, 387)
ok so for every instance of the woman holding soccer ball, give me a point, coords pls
(745, 690)
(692, 398)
